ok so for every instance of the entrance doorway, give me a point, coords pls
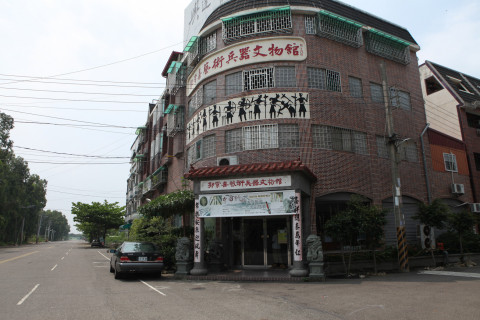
(265, 242)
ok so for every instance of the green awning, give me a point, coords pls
(139, 129)
(171, 107)
(175, 65)
(190, 44)
(389, 37)
(284, 8)
(162, 168)
(126, 226)
(340, 18)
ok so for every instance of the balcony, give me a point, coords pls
(159, 177)
(147, 186)
(175, 119)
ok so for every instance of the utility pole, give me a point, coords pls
(397, 195)
(39, 226)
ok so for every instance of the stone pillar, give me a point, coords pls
(199, 266)
(183, 256)
(315, 257)
(298, 268)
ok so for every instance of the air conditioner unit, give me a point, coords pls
(427, 237)
(476, 207)
(227, 161)
(458, 188)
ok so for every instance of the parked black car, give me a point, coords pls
(136, 257)
(96, 243)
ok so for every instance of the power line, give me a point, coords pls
(86, 195)
(72, 125)
(72, 100)
(94, 84)
(77, 109)
(81, 92)
(81, 80)
(72, 154)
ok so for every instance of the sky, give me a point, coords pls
(77, 77)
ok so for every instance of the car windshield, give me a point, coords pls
(138, 247)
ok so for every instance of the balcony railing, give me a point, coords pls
(159, 177)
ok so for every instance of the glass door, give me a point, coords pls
(254, 242)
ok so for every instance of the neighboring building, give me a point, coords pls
(452, 104)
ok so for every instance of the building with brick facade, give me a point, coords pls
(452, 104)
(276, 113)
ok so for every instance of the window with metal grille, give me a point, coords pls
(210, 92)
(355, 86)
(382, 149)
(339, 29)
(285, 77)
(288, 136)
(208, 43)
(196, 101)
(310, 25)
(275, 20)
(408, 151)
(233, 140)
(324, 79)
(450, 161)
(400, 99)
(340, 139)
(209, 146)
(258, 79)
(376, 91)
(260, 137)
(233, 83)
(387, 46)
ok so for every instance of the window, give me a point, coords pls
(400, 99)
(208, 43)
(376, 91)
(233, 83)
(285, 77)
(258, 79)
(457, 83)
(408, 151)
(233, 140)
(334, 27)
(477, 160)
(209, 146)
(288, 136)
(387, 46)
(310, 25)
(450, 161)
(355, 86)
(210, 92)
(432, 85)
(275, 20)
(382, 149)
(333, 138)
(324, 79)
(260, 137)
(196, 101)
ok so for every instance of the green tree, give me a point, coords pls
(462, 223)
(360, 223)
(95, 219)
(55, 220)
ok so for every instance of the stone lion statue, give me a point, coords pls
(182, 252)
(314, 251)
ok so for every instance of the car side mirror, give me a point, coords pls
(111, 251)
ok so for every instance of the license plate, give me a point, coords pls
(142, 258)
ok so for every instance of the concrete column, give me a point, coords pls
(199, 266)
(298, 267)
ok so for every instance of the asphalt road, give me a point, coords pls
(70, 280)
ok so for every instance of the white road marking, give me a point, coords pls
(452, 273)
(54, 267)
(62, 258)
(103, 255)
(28, 295)
(153, 288)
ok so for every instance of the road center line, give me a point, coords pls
(28, 295)
(54, 267)
(62, 258)
(23, 255)
(153, 288)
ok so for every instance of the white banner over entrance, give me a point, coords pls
(246, 183)
(250, 204)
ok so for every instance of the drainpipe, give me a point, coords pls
(429, 195)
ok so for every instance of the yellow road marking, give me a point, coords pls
(23, 255)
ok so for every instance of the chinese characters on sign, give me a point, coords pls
(197, 242)
(243, 183)
(297, 230)
(247, 204)
(248, 52)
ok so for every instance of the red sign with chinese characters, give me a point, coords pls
(248, 52)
